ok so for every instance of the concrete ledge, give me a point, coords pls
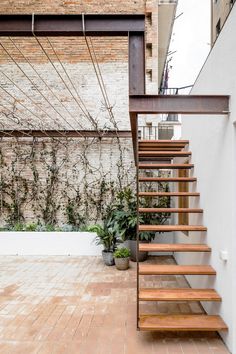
(49, 243)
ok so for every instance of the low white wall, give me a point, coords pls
(49, 243)
(213, 146)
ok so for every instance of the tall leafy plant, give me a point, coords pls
(122, 214)
(106, 236)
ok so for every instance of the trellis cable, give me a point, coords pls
(45, 83)
(13, 113)
(46, 54)
(102, 87)
(98, 74)
(29, 124)
(29, 98)
(20, 103)
(28, 135)
(81, 104)
(30, 80)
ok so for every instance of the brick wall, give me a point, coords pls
(39, 179)
(70, 6)
(112, 55)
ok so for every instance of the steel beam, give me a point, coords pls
(44, 25)
(66, 133)
(71, 25)
(134, 131)
(136, 64)
(182, 104)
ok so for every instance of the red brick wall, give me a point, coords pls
(71, 50)
(72, 6)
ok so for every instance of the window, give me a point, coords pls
(149, 49)
(149, 129)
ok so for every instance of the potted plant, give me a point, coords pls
(107, 238)
(123, 216)
(122, 256)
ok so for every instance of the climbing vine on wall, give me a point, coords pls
(66, 181)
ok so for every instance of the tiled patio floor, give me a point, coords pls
(78, 305)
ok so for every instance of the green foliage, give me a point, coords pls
(31, 227)
(18, 227)
(122, 253)
(154, 218)
(39, 228)
(122, 215)
(73, 216)
(106, 236)
(49, 180)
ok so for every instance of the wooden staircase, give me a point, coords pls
(159, 155)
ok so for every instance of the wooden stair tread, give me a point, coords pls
(167, 179)
(165, 153)
(156, 269)
(184, 142)
(156, 159)
(162, 145)
(170, 210)
(181, 323)
(161, 148)
(171, 166)
(185, 294)
(170, 247)
(169, 194)
(171, 144)
(172, 228)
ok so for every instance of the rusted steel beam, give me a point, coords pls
(132, 25)
(136, 64)
(134, 132)
(66, 133)
(71, 24)
(183, 104)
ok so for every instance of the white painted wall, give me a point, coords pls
(49, 244)
(213, 146)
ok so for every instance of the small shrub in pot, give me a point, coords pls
(122, 256)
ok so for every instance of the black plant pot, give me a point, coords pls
(108, 258)
(142, 256)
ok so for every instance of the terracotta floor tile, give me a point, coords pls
(77, 305)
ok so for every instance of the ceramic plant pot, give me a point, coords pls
(108, 258)
(122, 263)
(142, 255)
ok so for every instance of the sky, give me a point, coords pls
(190, 40)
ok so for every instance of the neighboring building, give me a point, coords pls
(213, 145)
(220, 10)
(159, 126)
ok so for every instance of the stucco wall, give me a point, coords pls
(213, 146)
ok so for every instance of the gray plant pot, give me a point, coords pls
(122, 263)
(142, 255)
(108, 258)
